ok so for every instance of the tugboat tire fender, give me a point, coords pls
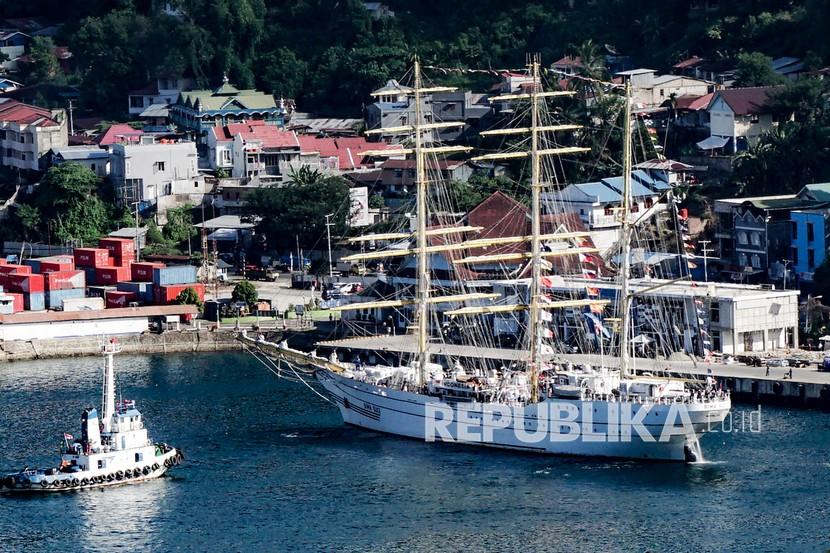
(44, 483)
(84, 482)
(75, 482)
(145, 471)
(119, 475)
(110, 477)
(155, 466)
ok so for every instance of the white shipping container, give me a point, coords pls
(83, 304)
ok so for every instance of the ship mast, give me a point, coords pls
(535, 326)
(423, 256)
(626, 240)
(108, 401)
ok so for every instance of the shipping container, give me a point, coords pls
(83, 304)
(11, 268)
(92, 257)
(33, 263)
(177, 274)
(166, 295)
(64, 280)
(55, 298)
(142, 290)
(98, 291)
(22, 283)
(119, 248)
(34, 301)
(57, 263)
(111, 275)
(116, 299)
(19, 301)
(143, 271)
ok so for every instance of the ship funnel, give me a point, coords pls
(90, 429)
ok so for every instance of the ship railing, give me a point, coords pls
(703, 398)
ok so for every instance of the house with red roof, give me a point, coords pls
(119, 133)
(738, 117)
(252, 150)
(28, 134)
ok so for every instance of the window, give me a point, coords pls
(756, 261)
(754, 118)
(21, 138)
(136, 101)
(714, 312)
(102, 463)
(794, 229)
(158, 167)
(742, 238)
(139, 457)
(811, 258)
(742, 260)
(755, 238)
(195, 184)
(649, 203)
(635, 207)
(810, 233)
(92, 166)
(609, 210)
(716, 345)
(226, 156)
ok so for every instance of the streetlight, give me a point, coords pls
(328, 235)
(786, 262)
(705, 250)
(135, 239)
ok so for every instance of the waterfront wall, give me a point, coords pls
(168, 342)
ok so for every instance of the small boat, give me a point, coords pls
(114, 450)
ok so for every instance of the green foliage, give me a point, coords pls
(246, 292)
(44, 66)
(179, 227)
(755, 69)
(299, 209)
(154, 234)
(821, 281)
(376, 201)
(67, 198)
(188, 296)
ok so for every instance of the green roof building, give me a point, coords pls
(199, 111)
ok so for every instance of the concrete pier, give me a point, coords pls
(808, 386)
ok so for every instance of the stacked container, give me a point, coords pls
(92, 257)
(61, 285)
(8, 268)
(177, 274)
(121, 250)
(110, 276)
(143, 271)
(57, 263)
(142, 290)
(31, 286)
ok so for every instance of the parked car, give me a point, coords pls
(777, 363)
(798, 362)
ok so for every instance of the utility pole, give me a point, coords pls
(135, 238)
(328, 236)
(71, 120)
(705, 250)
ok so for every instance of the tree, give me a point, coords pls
(189, 296)
(298, 210)
(755, 69)
(283, 73)
(179, 227)
(44, 66)
(245, 292)
(68, 195)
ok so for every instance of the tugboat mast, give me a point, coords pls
(108, 400)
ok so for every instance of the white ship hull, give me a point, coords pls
(603, 431)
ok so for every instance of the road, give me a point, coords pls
(279, 293)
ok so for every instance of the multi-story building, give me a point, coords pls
(28, 133)
(651, 90)
(738, 117)
(163, 174)
(199, 111)
(163, 91)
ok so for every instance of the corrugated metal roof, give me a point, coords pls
(600, 192)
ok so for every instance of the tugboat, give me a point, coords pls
(115, 450)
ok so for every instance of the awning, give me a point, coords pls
(712, 142)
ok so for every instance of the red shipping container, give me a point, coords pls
(22, 283)
(166, 295)
(115, 299)
(119, 248)
(57, 263)
(111, 275)
(9, 268)
(92, 257)
(143, 271)
(64, 280)
(18, 301)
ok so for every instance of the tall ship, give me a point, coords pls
(113, 450)
(539, 403)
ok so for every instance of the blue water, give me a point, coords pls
(270, 468)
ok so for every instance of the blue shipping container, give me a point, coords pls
(34, 264)
(54, 298)
(89, 274)
(144, 290)
(34, 301)
(178, 274)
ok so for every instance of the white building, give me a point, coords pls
(650, 90)
(163, 91)
(738, 116)
(28, 133)
(164, 174)
(93, 158)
